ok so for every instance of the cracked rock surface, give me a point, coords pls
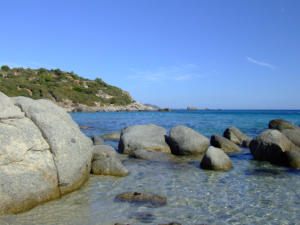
(43, 154)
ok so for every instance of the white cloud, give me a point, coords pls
(172, 73)
(260, 63)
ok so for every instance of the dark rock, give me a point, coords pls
(152, 155)
(142, 198)
(149, 137)
(223, 143)
(236, 136)
(280, 124)
(165, 110)
(97, 140)
(271, 146)
(114, 136)
(215, 159)
(186, 141)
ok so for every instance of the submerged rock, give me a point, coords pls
(185, 141)
(114, 136)
(43, 153)
(149, 137)
(152, 155)
(106, 162)
(215, 159)
(97, 140)
(236, 136)
(271, 146)
(223, 143)
(142, 198)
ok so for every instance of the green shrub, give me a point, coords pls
(5, 68)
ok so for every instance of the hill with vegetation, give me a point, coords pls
(65, 88)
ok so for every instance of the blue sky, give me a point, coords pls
(204, 53)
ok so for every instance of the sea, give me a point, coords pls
(252, 192)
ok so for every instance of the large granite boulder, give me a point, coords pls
(215, 159)
(223, 143)
(236, 136)
(106, 162)
(43, 153)
(185, 141)
(72, 150)
(153, 155)
(149, 137)
(280, 124)
(271, 146)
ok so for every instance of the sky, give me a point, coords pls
(225, 54)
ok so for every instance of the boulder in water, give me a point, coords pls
(149, 137)
(153, 155)
(223, 143)
(236, 136)
(185, 141)
(142, 198)
(106, 162)
(271, 146)
(215, 159)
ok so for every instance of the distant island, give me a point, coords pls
(67, 89)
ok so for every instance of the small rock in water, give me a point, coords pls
(142, 198)
(215, 159)
(106, 162)
(114, 136)
(152, 155)
(97, 140)
(84, 127)
(143, 217)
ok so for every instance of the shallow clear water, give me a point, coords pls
(251, 193)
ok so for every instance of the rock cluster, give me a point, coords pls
(280, 144)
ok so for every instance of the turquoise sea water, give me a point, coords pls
(251, 193)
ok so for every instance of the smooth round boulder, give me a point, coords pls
(148, 136)
(223, 143)
(270, 146)
(114, 136)
(215, 159)
(142, 198)
(152, 155)
(106, 162)
(280, 124)
(185, 141)
(236, 136)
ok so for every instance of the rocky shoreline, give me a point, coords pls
(135, 106)
(44, 155)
